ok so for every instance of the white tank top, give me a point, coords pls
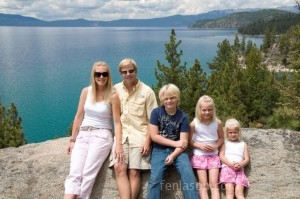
(207, 134)
(98, 114)
(234, 151)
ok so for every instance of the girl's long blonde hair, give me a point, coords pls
(108, 88)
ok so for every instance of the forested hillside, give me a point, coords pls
(242, 19)
(279, 24)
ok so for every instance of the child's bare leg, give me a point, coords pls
(229, 191)
(70, 196)
(203, 185)
(213, 183)
(239, 192)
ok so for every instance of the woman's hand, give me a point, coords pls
(70, 148)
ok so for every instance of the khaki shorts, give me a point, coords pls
(134, 158)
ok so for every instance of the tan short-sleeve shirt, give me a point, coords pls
(136, 108)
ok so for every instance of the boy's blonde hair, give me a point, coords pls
(235, 124)
(207, 99)
(127, 62)
(169, 90)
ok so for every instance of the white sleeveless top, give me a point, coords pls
(98, 114)
(207, 134)
(234, 151)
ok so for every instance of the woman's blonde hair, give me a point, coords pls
(205, 99)
(235, 124)
(127, 62)
(169, 90)
(108, 89)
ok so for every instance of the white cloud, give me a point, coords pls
(105, 10)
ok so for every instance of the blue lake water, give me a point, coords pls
(43, 69)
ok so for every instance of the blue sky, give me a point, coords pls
(106, 10)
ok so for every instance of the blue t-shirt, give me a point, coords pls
(169, 126)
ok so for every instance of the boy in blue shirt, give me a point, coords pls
(169, 130)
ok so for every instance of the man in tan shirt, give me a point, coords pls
(131, 149)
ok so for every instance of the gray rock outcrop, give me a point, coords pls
(38, 171)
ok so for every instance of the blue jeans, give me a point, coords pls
(158, 170)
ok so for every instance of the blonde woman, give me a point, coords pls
(92, 138)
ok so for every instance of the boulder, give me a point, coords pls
(38, 171)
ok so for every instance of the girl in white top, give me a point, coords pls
(92, 139)
(206, 137)
(234, 156)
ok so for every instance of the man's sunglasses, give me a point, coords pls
(125, 72)
(98, 74)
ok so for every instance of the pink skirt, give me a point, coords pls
(205, 162)
(236, 177)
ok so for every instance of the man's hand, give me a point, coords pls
(146, 149)
(119, 154)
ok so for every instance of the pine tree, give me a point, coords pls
(196, 87)
(267, 40)
(284, 46)
(260, 96)
(224, 82)
(287, 115)
(243, 45)
(191, 82)
(11, 131)
(249, 47)
(236, 45)
(174, 73)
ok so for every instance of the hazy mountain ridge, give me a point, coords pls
(170, 21)
(176, 21)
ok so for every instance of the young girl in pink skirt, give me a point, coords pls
(234, 156)
(205, 138)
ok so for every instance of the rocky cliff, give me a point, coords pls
(38, 171)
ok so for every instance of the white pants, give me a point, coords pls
(90, 151)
